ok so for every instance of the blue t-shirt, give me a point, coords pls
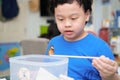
(90, 45)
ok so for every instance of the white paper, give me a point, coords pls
(64, 77)
(45, 75)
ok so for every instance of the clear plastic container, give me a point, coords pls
(26, 67)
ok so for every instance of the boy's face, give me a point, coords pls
(70, 19)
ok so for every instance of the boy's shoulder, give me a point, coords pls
(95, 38)
(57, 38)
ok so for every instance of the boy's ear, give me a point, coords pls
(87, 15)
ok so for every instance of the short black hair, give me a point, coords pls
(86, 4)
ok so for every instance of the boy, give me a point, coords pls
(71, 17)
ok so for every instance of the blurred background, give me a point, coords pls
(26, 21)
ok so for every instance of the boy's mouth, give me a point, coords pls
(68, 32)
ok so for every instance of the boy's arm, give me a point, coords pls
(116, 77)
(107, 68)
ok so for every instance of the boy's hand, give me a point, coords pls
(106, 67)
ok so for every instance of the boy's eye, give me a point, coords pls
(74, 18)
(60, 19)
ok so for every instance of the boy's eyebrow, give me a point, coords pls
(75, 14)
(58, 15)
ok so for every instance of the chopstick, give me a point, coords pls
(69, 56)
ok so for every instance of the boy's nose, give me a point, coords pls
(67, 24)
